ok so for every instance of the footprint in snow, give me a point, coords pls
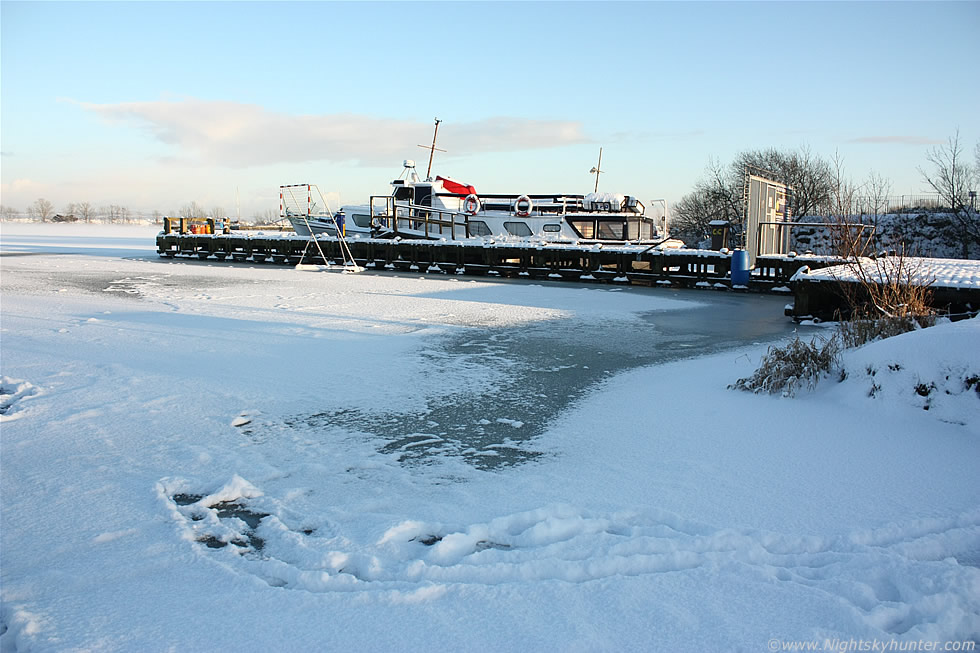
(13, 392)
(893, 580)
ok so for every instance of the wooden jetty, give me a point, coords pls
(815, 281)
(584, 261)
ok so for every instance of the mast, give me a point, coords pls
(597, 170)
(432, 150)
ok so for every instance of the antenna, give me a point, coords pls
(597, 171)
(432, 150)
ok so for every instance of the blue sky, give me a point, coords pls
(155, 104)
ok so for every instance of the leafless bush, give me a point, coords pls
(887, 287)
(885, 295)
(786, 369)
(860, 330)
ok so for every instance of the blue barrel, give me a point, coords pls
(740, 268)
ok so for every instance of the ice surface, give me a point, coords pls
(381, 495)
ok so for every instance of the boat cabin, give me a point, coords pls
(446, 208)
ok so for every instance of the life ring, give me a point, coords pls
(523, 206)
(471, 205)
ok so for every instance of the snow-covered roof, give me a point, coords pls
(593, 201)
(938, 272)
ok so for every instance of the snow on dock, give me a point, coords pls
(579, 261)
(954, 284)
(936, 272)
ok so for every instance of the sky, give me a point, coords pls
(153, 105)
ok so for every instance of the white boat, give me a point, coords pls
(443, 208)
(446, 209)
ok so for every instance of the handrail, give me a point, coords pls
(426, 217)
(423, 215)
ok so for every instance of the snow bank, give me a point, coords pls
(935, 369)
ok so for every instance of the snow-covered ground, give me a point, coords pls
(204, 456)
(917, 233)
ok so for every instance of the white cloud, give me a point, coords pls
(242, 135)
(24, 185)
(19, 190)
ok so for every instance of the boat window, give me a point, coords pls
(361, 219)
(423, 195)
(552, 228)
(518, 229)
(585, 228)
(479, 228)
(404, 194)
(611, 230)
(644, 228)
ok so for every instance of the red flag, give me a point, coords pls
(457, 187)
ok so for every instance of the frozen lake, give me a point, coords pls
(386, 461)
(539, 369)
(542, 369)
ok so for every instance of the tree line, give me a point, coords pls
(44, 211)
(821, 187)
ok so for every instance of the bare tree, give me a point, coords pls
(7, 212)
(716, 196)
(42, 209)
(809, 179)
(953, 177)
(114, 213)
(808, 175)
(952, 174)
(85, 211)
(719, 194)
(192, 210)
(885, 295)
(692, 215)
(268, 216)
(877, 189)
(976, 162)
(849, 240)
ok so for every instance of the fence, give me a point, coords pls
(897, 203)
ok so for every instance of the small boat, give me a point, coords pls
(353, 221)
(305, 207)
